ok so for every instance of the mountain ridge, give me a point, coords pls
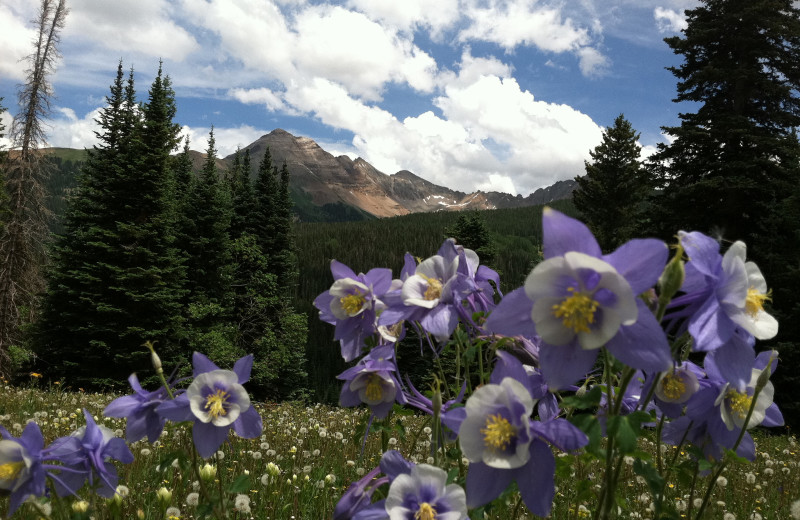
(329, 180)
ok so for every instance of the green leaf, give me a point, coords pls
(240, 485)
(626, 437)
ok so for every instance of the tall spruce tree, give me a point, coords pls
(116, 280)
(732, 158)
(208, 246)
(733, 167)
(615, 184)
(283, 257)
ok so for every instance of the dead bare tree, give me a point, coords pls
(22, 244)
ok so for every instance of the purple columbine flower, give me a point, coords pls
(355, 503)
(723, 292)
(215, 402)
(23, 471)
(140, 411)
(373, 382)
(98, 446)
(503, 445)
(716, 413)
(432, 295)
(578, 300)
(351, 304)
(423, 494)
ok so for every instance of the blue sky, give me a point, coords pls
(505, 95)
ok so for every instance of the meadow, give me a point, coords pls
(308, 455)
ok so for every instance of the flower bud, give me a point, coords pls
(672, 278)
(763, 377)
(164, 495)
(81, 506)
(273, 469)
(208, 472)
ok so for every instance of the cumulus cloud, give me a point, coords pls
(407, 15)
(145, 26)
(524, 22)
(70, 131)
(260, 96)
(16, 41)
(669, 20)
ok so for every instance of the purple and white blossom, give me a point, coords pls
(352, 304)
(424, 494)
(373, 382)
(722, 292)
(432, 295)
(504, 445)
(24, 466)
(578, 300)
(215, 402)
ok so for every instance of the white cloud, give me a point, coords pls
(70, 131)
(409, 14)
(143, 26)
(5, 120)
(350, 49)
(513, 23)
(669, 21)
(265, 96)
(16, 42)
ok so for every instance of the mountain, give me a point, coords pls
(336, 186)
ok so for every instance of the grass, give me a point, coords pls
(317, 451)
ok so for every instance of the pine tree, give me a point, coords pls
(116, 279)
(208, 248)
(243, 195)
(264, 207)
(283, 258)
(731, 159)
(608, 196)
(472, 233)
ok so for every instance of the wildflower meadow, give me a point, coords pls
(621, 385)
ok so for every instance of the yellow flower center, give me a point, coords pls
(498, 432)
(425, 512)
(353, 303)
(576, 311)
(374, 390)
(434, 289)
(10, 470)
(215, 403)
(755, 301)
(739, 403)
(673, 386)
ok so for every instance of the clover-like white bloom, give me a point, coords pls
(496, 430)
(745, 303)
(217, 397)
(734, 405)
(424, 494)
(577, 295)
